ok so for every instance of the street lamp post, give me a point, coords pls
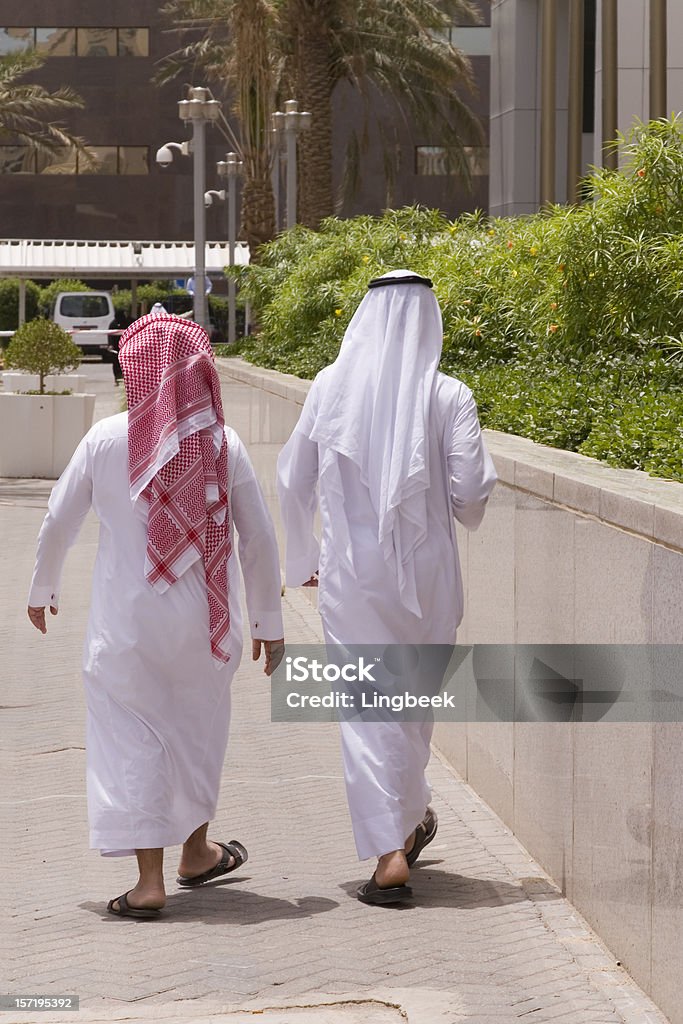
(277, 120)
(610, 84)
(230, 169)
(290, 123)
(197, 110)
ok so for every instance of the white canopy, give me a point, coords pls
(50, 258)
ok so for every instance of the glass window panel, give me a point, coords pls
(13, 40)
(56, 42)
(479, 160)
(82, 306)
(133, 160)
(96, 42)
(431, 160)
(476, 42)
(105, 161)
(441, 36)
(133, 42)
(62, 161)
(17, 160)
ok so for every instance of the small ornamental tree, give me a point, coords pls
(42, 347)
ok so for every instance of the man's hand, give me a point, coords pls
(313, 582)
(37, 617)
(274, 650)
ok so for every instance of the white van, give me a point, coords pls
(89, 314)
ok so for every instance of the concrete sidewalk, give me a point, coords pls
(489, 939)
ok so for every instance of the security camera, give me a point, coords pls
(164, 156)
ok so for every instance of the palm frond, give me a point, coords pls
(26, 109)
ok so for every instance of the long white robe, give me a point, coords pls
(359, 597)
(158, 704)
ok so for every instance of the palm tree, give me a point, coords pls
(397, 48)
(238, 49)
(305, 48)
(26, 110)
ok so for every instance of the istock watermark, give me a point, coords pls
(483, 682)
(302, 669)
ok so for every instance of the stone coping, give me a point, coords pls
(625, 498)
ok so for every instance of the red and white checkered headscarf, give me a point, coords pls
(178, 458)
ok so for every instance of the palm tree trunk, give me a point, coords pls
(315, 82)
(251, 27)
(258, 213)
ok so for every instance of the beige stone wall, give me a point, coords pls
(570, 552)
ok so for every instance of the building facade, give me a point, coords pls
(566, 75)
(109, 55)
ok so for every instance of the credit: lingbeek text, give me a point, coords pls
(365, 701)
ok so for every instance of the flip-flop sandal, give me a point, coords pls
(125, 910)
(424, 833)
(232, 849)
(371, 893)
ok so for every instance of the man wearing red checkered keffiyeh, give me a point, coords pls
(169, 483)
(178, 458)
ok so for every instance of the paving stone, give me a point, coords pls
(489, 940)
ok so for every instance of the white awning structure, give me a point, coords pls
(32, 259)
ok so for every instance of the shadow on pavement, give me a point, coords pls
(239, 907)
(435, 888)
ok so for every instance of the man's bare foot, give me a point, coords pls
(196, 861)
(151, 898)
(392, 870)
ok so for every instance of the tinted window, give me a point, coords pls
(105, 161)
(15, 39)
(133, 42)
(84, 306)
(56, 42)
(133, 160)
(97, 42)
(16, 160)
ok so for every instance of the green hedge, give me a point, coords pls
(9, 302)
(566, 324)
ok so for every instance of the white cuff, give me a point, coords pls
(42, 597)
(266, 625)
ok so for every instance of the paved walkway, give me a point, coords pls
(489, 938)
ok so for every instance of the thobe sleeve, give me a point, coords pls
(68, 506)
(258, 551)
(297, 479)
(470, 468)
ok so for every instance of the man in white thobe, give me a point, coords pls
(390, 450)
(168, 482)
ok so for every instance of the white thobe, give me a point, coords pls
(359, 599)
(158, 704)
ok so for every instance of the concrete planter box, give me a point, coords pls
(39, 433)
(16, 382)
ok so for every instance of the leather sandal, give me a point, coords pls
(370, 892)
(232, 850)
(424, 833)
(124, 909)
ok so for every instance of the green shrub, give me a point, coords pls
(561, 322)
(9, 302)
(41, 346)
(50, 291)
